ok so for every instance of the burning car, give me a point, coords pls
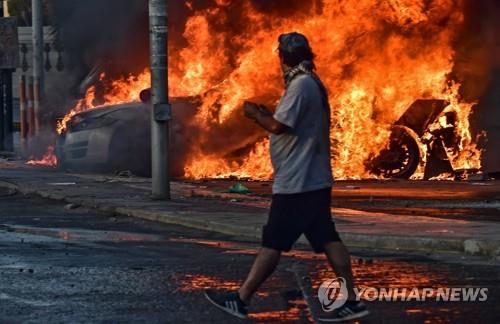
(117, 137)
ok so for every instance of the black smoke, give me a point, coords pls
(477, 68)
(113, 34)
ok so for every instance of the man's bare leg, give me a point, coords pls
(263, 266)
(339, 259)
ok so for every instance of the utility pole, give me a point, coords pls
(2, 113)
(38, 73)
(2, 110)
(9, 61)
(161, 110)
(8, 105)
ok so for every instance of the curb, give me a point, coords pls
(465, 246)
(384, 242)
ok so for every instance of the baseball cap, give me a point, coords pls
(292, 41)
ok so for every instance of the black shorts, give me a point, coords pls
(305, 213)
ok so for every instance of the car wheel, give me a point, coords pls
(400, 159)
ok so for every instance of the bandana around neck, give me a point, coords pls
(305, 67)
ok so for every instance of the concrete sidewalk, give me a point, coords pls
(243, 215)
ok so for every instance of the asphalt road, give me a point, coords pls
(62, 265)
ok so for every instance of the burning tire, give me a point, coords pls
(400, 159)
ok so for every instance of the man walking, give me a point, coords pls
(300, 154)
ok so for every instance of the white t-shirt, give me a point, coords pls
(301, 156)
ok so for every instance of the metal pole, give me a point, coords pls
(30, 110)
(37, 103)
(8, 104)
(22, 113)
(158, 32)
(38, 42)
(2, 113)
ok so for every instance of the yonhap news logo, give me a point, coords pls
(333, 293)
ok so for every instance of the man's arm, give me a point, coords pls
(264, 118)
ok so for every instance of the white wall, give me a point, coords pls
(25, 37)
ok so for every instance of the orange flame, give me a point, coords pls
(376, 58)
(49, 159)
(123, 90)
